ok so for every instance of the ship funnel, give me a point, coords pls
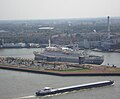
(108, 23)
(49, 43)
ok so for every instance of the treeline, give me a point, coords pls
(28, 31)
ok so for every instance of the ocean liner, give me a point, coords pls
(64, 54)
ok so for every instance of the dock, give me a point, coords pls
(57, 68)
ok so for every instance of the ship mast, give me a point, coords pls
(108, 23)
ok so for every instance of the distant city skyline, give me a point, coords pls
(57, 9)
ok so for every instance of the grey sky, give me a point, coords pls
(52, 9)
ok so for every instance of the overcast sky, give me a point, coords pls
(54, 9)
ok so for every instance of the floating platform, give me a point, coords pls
(50, 91)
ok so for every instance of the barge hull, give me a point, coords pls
(77, 87)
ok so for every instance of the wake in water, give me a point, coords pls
(35, 97)
(38, 97)
(41, 97)
(26, 97)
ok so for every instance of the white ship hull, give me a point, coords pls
(69, 58)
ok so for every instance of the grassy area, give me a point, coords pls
(85, 70)
(92, 69)
(72, 70)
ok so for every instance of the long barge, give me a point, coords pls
(50, 91)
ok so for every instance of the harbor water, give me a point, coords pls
(22, 85)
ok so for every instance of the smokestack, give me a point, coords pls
(108, 24)
(49, 43)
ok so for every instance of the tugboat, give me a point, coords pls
(51, 91)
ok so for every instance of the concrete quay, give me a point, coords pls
(57, 68)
